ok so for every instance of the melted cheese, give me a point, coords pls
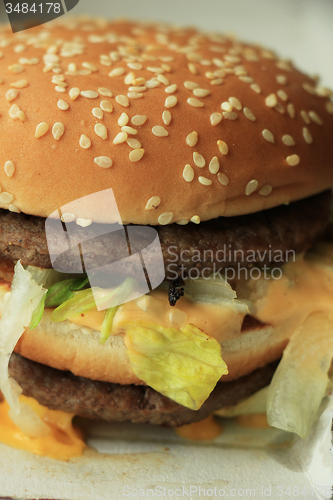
(255, 421)
(204, 430)
(64, 441)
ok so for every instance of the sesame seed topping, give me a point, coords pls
(191, 85)
(105, 92)
(204, 181)
(12, 94)
(291, 110)
(74, 93)
(182, 222)
(223, 147)
(98, 113)
(106, 106)
(230, 115)
(117, 72)
(20, 84)
(310, 89)
(134, 143)
(251, 187)
(129, 130)
(103, 161)
(60, 88)
(199, 160)
(249, 115)
(282, 94)
(288, 140)
(265, 190)
(195, 103)
(192, 139)
(13, 111)
(153, 202)
(16, 68)
(101, 131)
(165, 218)
(9, 168)
(293, 160)
(214, 165)
(6, 197)
(85, 142)
(166, 117)
(121, 137)
(170, 101)
(136, 89)
(315, 117)
(216, 81)
(63, 105)
(136, 66)
(68, 217)
(58, 130)
(281, 79)
(83, 222)
(307, 136)
(227, 106)
(41, 129)
(129, 78)
(268, 136)
(215, 118)
(171, 89)
(235, 103)
(279, 108)
(329, 107)
(134, 95)
(14, 208)
(163, 79)
(123, 119)
(159, 131)
(188, 173)
(89, 94)
(139, 120)
(201, 92)
(192, 68)
(256, 88)
(223, 179)
(136, 155)
(271, 101)
(305, 117)
(21, 116)
(151, 84)
(195, 219)
(122, 100)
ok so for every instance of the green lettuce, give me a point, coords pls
(183, 365)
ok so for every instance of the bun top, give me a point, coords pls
(181, 125)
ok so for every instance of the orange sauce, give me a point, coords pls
(203, 430)
(256, 420)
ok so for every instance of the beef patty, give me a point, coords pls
(60, 390)
(211, 245)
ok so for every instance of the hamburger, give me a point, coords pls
(220, 148)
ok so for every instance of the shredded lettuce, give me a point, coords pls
(301, 379)
(183, 365)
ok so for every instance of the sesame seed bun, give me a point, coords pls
(181, 125)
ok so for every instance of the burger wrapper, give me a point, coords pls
(146, 461)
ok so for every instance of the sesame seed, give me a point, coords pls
(136, 155)
(230, 115)
(155, 69)
(83, 222)
(21, 116)
(305, 117)
(188, 173)
(308, 88)
(139, 81)
(85, 142)
(293, 160)
(134, 95)
(89, 94)
(201, 92)
(98, 113)
(199, 160)
(214, 165)
(279, 108)
(215, 118)
(121, 137)
(170, 101)
(281, 79)
(129, 130)
(268, 136)
(122, 100)
(165, 218)
(249, 115)
(160, 131)
(134, 143)
(60, 88)
(307, 136)
(223, 179)
(192, 68)
(182, 222)
(105, 92)
(163, 79)
(6, 197)
(195, 219)
(265, 190)
(171, 89)
(14, 208)
(166, 117)
(68, 217)
(216, 81)
(74, 93)
(204, 181)
(284, 65)
(282, 94)
(256, 88)
(136, 66)
(58, 130)
(41, 129)
(136, 89)
(329, 107)
(13, 111)
(139, 120)
(9, 168)
(123, 119)
(16, 68)
(288, 140)
(195, 103)
(151, 84)
(246, 79)
(235, 103)
(101, 131)
(227, 106)
(192, 139)
(251, 187)
(315, 118)
(106, 106)
(12, 94)
(271, 101)
(63, 105)
(103, 161)
(223, 147)
(129, 78)
(117, 72)
(291, 110)
(20, 84)
(153, 202)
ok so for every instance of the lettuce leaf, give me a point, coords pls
(301, 379)
(183, 365)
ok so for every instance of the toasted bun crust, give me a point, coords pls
(178, 79)
(67, 346)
